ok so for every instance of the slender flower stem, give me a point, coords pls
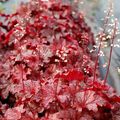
(111, 49)
(102, 34)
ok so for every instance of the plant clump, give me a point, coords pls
(46, 68)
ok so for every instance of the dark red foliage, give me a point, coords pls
(46, 69)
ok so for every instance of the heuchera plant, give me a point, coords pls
(46, 68)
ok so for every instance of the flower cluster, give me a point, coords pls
(46, 68)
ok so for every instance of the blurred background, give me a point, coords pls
(94, 12)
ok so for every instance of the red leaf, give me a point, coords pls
(12, 114)
(88, 99)
(71, 75)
